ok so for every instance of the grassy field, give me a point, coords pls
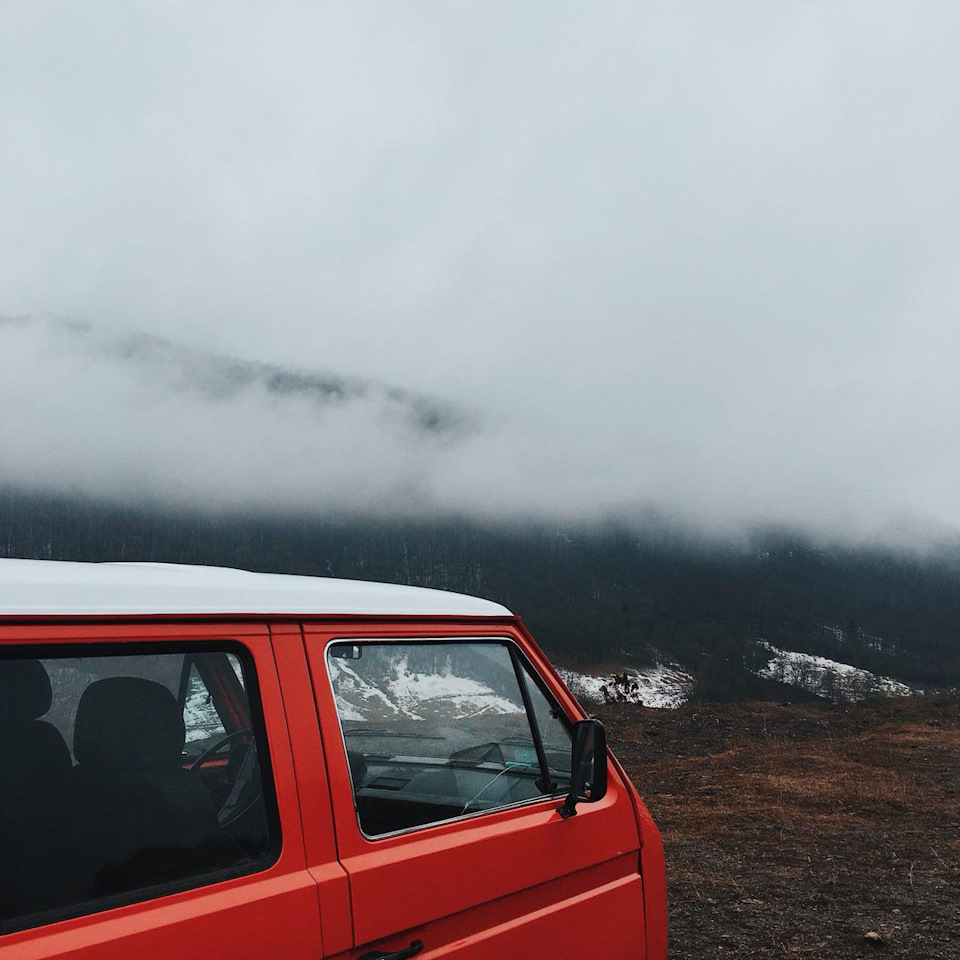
(797, 830)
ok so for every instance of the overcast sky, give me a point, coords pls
(702, 256)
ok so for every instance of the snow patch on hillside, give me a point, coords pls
(414, 694)
(828, 678)
(356, 698)
(465, 696)
(659, 686)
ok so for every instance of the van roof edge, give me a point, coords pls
(67, 588)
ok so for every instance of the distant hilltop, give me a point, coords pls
(221, 378)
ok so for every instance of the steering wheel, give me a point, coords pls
(232, 809)
(218, 746)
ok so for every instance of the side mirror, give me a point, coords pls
(588, 766)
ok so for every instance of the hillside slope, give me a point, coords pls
(626, 594)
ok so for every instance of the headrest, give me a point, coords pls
(128, 724)
(36, 754)
(24, 690)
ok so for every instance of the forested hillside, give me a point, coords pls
(614, 593)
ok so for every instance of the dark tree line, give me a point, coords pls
(604, 593)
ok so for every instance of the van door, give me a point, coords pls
(446, 823)
(147, 795)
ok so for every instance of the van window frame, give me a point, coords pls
(66, 649)
(532, 674)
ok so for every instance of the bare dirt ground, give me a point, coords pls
(794, 831)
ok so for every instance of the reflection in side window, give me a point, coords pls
(438, 730)
(200, 717)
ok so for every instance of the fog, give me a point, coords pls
(694, 257)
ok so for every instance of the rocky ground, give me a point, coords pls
(804, 830)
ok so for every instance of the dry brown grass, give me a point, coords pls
(792, 831)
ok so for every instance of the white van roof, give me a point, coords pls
(54, 588)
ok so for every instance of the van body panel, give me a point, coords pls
(510, 881)
(252, 917)
(652, 864)
(415, 878)
(592, 914)
(432, 882)
(316, 814)
(653, 870)
(268, 913)
(654, 891)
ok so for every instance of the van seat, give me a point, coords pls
(34, 764)
(140, 818)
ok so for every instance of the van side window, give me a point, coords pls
(125, 777)
(437, 730)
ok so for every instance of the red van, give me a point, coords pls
(209, 764)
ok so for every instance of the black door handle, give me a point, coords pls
(411, 951)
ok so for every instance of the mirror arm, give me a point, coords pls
(569, 806)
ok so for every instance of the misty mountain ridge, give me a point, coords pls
(129, 446)
(220, 379)
(134, 417)
(754, 619)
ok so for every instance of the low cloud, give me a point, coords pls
(94, 412)
(695, 258)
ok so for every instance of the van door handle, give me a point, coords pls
(411, 951)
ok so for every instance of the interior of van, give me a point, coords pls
(124, 773)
